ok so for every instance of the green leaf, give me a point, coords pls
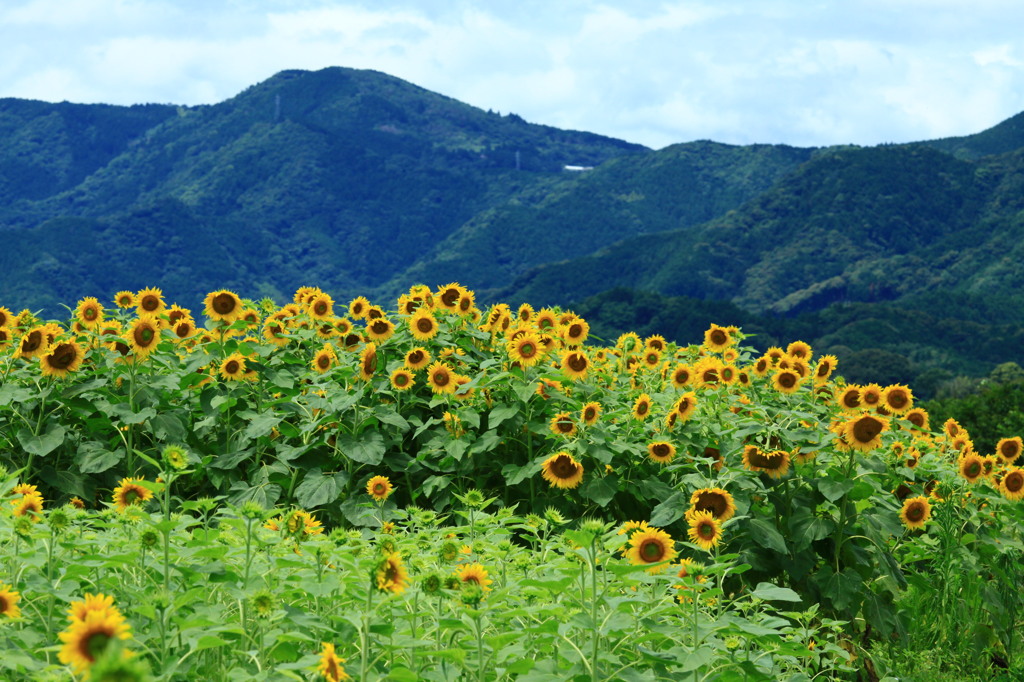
(43, 444)
(806, 527)
(599, 490)
(95, 458)
(318, 488)
(769, 592)
(366, 448)
(832, 490)
(123, 411)
(765, 534)
(262, 424)
(669, 511)
(167, 427)
(388, 415)
(502, 413)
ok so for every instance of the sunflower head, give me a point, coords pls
(705, 530)
(9, 598)
(915, 512)
(562, 470)
(775, 463)
(1009, 449)
(718, 501)
(642, 407)
(864, 432)
(379, 488)
(331, 664)
(391, 574)
(562, 424)
(651, 545)
(590, 413)
(223, 306)
(661, 451)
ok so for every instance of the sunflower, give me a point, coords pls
(320, 306)
(9, 599)
(89, 312)
(686, 405)
(651, 545)
(575, 364)
(6, 336)
(475, 573)
(576, 332)
(275, 329)
(143, 335)
(149, 302)
(129, 492)
(184, 330)
(871, 395)
(357, 307)
(561, 470)
(391, 574)
(628, 342)
(971, 467)
(526, 350)
(562, 424)
(824, 368)
(705, 530)
(775, 463)
(29, 505)
(90, 603)
(661, 451)
(706, 372)
(448, 296)
(864, 432)
(717, 501)
(222, 305)
(915, 512)
(799, 349)
(917, 416)
(423, 325)
(952, 427)
(651, 358)
(380, 329)
(379, 488)
(546, 320)
(590, 413)
(232, 368)
(402, 379)
(33, 344)
(1012, 484)
(897, 398)
(681, 375)
(717, 338)
(786, 381)
(330, 665)
(125, 299)
(642, 407)
(324, 359)
(441, 378)
(1009, 449)
(368, 361)
(466, 305)
(849, 399)
(85, 640)
(62, 359)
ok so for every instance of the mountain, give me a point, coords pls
(872, 224)
(338, 177)
(363, 184)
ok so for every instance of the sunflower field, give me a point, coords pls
(435, 491)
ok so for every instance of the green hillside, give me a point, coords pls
(368, 184)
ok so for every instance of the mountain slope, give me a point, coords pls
(849, 225)
(338, 176)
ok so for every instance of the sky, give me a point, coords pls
(799, 72)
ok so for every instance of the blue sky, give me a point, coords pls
(801, 72)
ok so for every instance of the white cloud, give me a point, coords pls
(861, 71)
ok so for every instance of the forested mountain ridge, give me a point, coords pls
(365, 184)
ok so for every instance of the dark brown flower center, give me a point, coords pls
(915, 512)
(424, 325)
(563, 467)
(224, 303)
(149, 303)
(866, 428)
(577, 362)
(787, 379)
(652, 551)
(719, 337)
(63, 356)
(712, 502)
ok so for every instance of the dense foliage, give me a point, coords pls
(441, 491)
